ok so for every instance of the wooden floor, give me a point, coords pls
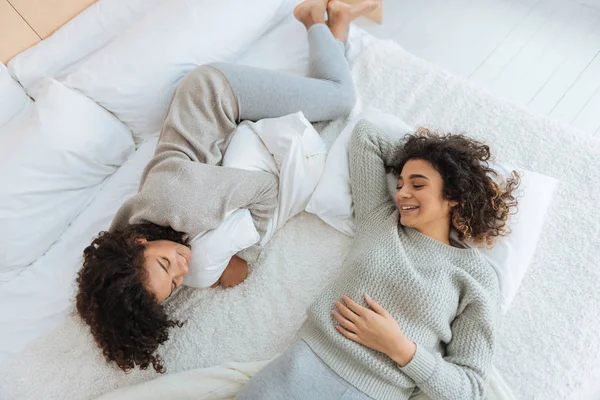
(541, 54)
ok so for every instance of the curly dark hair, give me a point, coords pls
(485, 200)
(126, 320)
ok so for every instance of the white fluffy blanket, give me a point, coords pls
(548, 343)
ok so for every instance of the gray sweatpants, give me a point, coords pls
(298, 374)
(327, 93)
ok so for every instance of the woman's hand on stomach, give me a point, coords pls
(374, 328)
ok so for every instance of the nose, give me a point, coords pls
(403, 193)
(184, 267)
(182, 264)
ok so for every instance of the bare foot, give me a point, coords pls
(311, 12)
(341, 14)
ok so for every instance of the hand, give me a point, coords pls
(375, 329)
(235, 273)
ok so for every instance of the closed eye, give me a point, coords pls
(173, 284)
(415, 186)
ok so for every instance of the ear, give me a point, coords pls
(453, 203)
(141, 241)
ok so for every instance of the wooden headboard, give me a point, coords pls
(23, 23)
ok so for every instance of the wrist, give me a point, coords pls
(403, 351)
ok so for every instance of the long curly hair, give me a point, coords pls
(485, 199)
(126, 320)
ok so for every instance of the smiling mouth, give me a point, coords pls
(408, 208)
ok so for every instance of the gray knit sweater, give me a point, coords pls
(444, 298)
(184, 186)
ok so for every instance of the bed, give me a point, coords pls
(45, 352)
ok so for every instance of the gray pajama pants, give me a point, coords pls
(326, 94)
(298, 374)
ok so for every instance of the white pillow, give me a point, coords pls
(51, 164)
(289, 147)
(332, 199)
(283, 48)
(12, 97)
(135, 75)
(211, 251)
(90, 30)
(510, 257)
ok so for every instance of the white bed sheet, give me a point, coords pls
(39, 297)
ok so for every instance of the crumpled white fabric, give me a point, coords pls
(226, 380)
(289, 147)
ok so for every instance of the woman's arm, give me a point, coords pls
(462, 372)
(234, 274)
(371, 151)
(193, 197)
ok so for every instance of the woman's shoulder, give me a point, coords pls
(484, 281)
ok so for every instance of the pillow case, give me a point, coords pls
(332, 199)
(135, 75)
(510, 257)
(90, 30)
(51, 164)
(12, 96)
(288, 147)
(212, 250)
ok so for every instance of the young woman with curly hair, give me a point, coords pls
(413, 310)
(130, 270)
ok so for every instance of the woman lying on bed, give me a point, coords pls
(131, 269)
(413, 310)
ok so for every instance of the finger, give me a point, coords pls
(346, 312)
(348, 334)
(344, 322)
(376, 307)
(355, 307)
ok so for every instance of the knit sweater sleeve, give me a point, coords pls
(193, 197)
(462, 372)
(371, 151)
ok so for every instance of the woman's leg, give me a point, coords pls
(327, 93)
(298, 374)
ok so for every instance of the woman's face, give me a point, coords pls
(166, 263)
(420, 197)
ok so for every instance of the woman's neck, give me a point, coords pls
(438, 230)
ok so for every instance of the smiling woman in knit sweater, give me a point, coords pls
(412, 310)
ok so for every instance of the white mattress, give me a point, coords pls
(40, 296)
